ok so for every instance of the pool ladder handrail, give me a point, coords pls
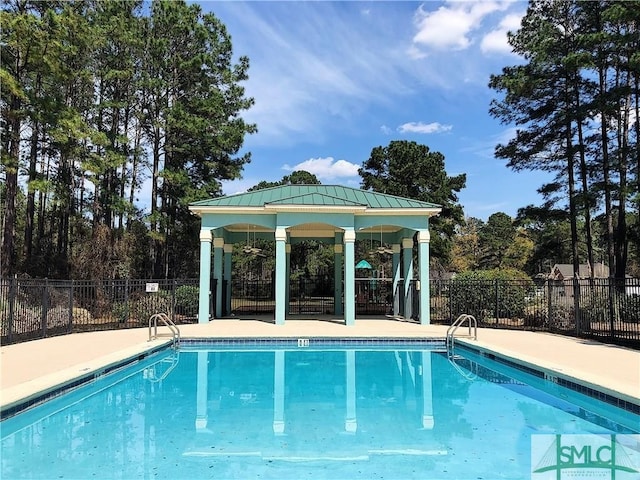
(164, 318)
(473, 323)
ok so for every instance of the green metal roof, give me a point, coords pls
(317, 195)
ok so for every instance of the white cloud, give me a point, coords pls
(426, 128)
(386, 130)
(326, 168)
(450, 26)
(317, 65)
(496, 40)
(414, 53)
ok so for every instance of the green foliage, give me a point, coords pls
(410, 170)
(569, 103)
(187, 299)
(594, 308)
(120, 311)
(481, 292)
(108, 91)
(466, 246)
(495, 237)
(299, 177)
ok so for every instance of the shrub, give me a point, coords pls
(120, 311)
(481, 292)
(142, 308)
(187, 299)
(594, 309)
(630, 309)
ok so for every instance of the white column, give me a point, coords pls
(281, 275)
(423, 259)
(205, 276)
(349, 277)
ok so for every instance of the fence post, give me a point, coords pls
(549, 302)
(173, 299)
(13, 288)
(576, 304)
(71, 307)
(126, 302)
(611, 309)
(497, 296)
(450, 296)
(45, 307)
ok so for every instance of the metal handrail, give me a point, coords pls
(455, 325)
(164, 318)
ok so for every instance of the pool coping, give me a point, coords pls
(29, 394)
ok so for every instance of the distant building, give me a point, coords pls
(564, 271)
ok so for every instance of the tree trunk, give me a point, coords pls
(586, 199)
(30, 214)
(604, 133)
(7, 251)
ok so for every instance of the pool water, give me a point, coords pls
(301, 413)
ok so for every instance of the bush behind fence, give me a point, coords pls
(602, 309)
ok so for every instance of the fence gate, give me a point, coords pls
(311, 295)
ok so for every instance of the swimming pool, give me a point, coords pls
(387, 412)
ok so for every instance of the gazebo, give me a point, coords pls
(333, 214)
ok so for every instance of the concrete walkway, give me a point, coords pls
(31, 368)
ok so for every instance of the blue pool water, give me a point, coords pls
(299, 413)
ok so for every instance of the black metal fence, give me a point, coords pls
(252, 297)
(310, 295)
(601, 309)
(34, 308)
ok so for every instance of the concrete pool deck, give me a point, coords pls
(32, 368)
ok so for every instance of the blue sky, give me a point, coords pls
(333, 80)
